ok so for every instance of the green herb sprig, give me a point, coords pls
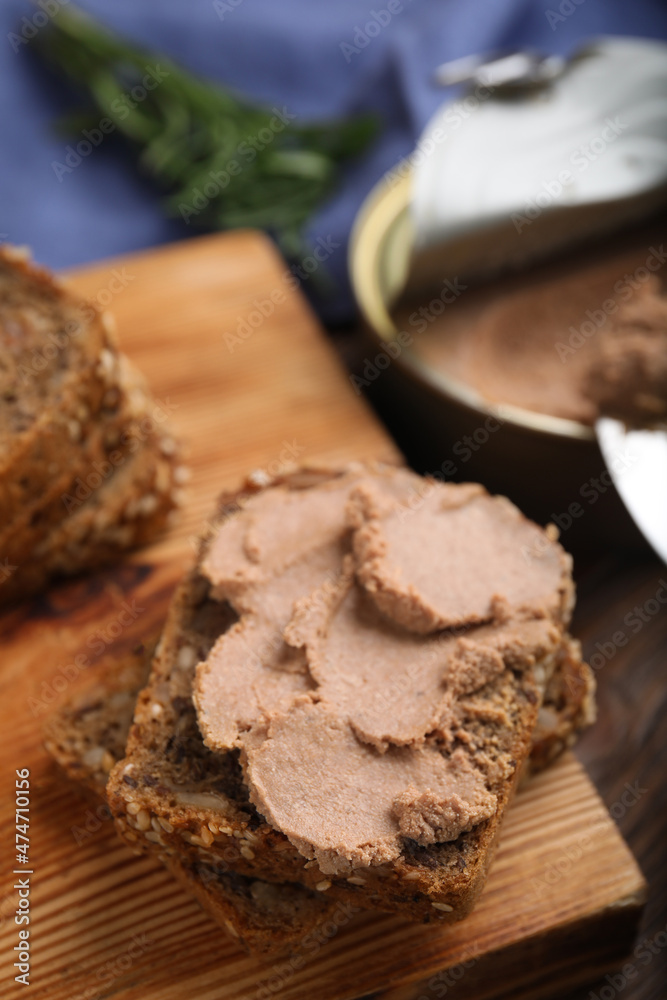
(272, 172)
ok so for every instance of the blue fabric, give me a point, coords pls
(289, 52)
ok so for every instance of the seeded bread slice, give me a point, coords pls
(109, 435)
(57, 368)
(127, 510)
(125, 403)
(169, 775)
(93, 442)
(87, 736)
(86, 470)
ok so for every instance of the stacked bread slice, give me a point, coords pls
(190, 805)
(87, 467)
(88, 736)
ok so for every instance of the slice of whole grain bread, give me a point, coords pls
(87, 468)
(87, 736)
(110, 440)
(57, 369)
(200, 800)
(127, 510)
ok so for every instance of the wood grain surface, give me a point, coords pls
(563, 897)
(628, 744)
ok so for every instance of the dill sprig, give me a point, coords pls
(223, 161)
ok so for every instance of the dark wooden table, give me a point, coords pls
(627, 746)
(625, 752)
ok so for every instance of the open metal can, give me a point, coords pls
(549, 466)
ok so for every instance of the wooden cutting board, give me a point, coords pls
(239, 363)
